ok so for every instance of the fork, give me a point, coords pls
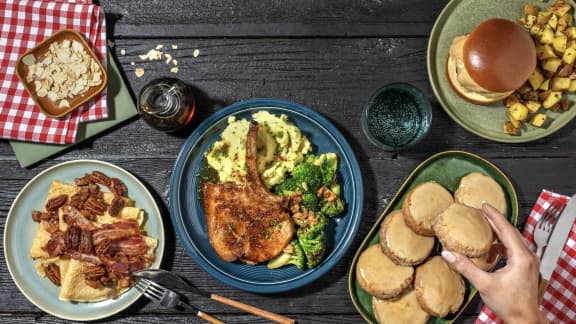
(545, 225)
(168, 298)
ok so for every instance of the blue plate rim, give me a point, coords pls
(307, 276)
(134, 295)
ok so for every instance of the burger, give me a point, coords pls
(488, 64)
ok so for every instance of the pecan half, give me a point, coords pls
(36, 216)
(54, 203)
(118, 187)
(93, 272)
(100, 178)
(72, 238)
(53, 225)
(53, 273)
(116, 206)
(86, 244)
(95, 206)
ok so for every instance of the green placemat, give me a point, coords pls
(120, 108)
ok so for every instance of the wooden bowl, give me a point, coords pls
(49, 106)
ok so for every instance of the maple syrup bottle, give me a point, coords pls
(166, 104)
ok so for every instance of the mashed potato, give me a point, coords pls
(281, 146)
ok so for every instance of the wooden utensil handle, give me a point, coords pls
(253, 310)
(209, 318)
(541, 288)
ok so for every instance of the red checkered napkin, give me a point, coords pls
(25, 24)
(559, 301)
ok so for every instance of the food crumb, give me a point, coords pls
(111, 44)
(196, 53)
(159, 46)
(139, 72)
(168, 58)
(174, 70)
(132, 63)
(174, 46)
(123, 51)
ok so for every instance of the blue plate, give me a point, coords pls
(188, 215)
(20, 230)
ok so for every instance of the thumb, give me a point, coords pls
(462, 264)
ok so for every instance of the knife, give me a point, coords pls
(556, 243)
(174, 281)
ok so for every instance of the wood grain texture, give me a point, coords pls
(326, 55)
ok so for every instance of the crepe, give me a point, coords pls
(73, 285)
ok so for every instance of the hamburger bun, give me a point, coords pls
(401, 244)
(488, 64)
(465, 230)
(423, 204)
(404, 309)
(477, 188)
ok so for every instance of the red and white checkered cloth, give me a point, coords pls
(559, 301)
(24, 25)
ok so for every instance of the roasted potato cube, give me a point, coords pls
(560, 8)
(510, 100)
(571, 32)
(564, 22)
(533, 106)
(531, 9)
(547, 35)
(553, 22)
(543, 17)
(572, 86)
(545, 52)
(518, 111)
(569, 55)
(565, 70)
(565, 105)
(559, 43)
(536, 79)
(536, 30)
(552, 64)
(538, 120)
(560, 83)
(553, 98)
(515, 123)
(510, 129)
(545, 85)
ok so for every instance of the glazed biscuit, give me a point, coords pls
(423, 204)
(439, 289)
(476, 188)
(465, 230)
(404, 309)
(401, 244)
(381, 277)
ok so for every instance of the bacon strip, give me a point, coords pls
(55, 245)
(116, 231)
(132, 246)
(80, 220)
(91, 258)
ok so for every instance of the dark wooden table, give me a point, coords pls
(330, 55)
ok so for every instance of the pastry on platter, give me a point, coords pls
(380, 276)
(477, 188)
(400, 243)
(439, 289)
(464, 229)
(423, 204)
(404, 309)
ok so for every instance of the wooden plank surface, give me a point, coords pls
(326, 55)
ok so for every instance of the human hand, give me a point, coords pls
(512, 291)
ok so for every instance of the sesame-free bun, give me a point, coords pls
(404, 309)
(401, 244)
(477, 188)
(499, 55)
(465, 230)
(439, 289)
(488, 64)
(423, 204)
(378, 275)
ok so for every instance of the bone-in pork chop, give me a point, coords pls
(246, 221)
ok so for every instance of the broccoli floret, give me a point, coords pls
(287, 187)
(292, 254)
(333, 208)
(310, 201)
(309, 175)
(328, 163)
(313, 242)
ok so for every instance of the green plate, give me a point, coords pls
(445, 168)
(460, 17)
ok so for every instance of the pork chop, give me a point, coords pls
(247, 222)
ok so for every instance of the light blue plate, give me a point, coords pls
(20, 230)
(188, 214)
